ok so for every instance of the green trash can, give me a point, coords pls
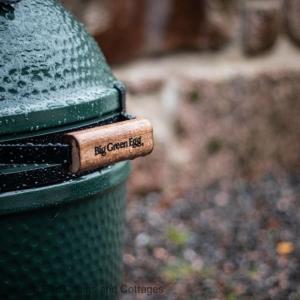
(60, 233)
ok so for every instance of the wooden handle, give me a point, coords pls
(104, 145)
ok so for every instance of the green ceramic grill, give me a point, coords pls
(61, 231)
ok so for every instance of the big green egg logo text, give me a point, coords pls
(111, 147)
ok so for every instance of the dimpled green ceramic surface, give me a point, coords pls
(51, 71)
(64, 241)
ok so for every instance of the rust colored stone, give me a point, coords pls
(292, 20)
(260, 25)
(193, 25)
(124, 38)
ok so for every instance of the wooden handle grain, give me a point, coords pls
(104, 145)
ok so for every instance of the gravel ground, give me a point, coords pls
(230, 241)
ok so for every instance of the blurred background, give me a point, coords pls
(214, 212)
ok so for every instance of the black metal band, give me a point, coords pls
(35, 154)
(37, 176)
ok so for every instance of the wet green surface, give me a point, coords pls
(52, 72)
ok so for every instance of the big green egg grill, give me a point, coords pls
(61, 231)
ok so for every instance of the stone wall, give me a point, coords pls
(134, 28)
(216, 117)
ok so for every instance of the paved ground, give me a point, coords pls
(229, 241)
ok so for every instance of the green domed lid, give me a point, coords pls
(52, 72)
